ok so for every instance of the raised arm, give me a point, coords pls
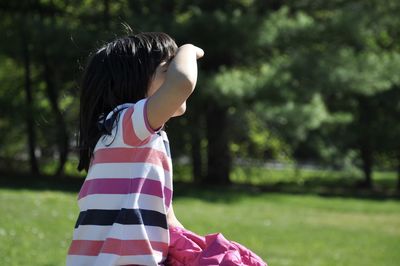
(179, 83)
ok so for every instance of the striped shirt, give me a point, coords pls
(126, 195)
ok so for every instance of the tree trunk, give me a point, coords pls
(398, 170)
(366, 147)
(106, 14)
(195, 141)
(30, 126)
(63, 139)
(218, 153)
(366, 156)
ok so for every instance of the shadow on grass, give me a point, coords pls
(343, 188)
(40, 182)
(338, 187)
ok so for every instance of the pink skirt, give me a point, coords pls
(187, 248)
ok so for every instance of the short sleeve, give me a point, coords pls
(135, 124)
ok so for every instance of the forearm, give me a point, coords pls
(182, 72)
(179, 84)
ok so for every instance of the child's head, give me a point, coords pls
(121, 71)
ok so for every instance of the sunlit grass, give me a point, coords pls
(36, 226)
(303, 230)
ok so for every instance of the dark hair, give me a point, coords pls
(119, 72)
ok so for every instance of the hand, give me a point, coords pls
(172, 220)
(198, 50)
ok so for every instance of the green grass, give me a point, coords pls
(36, 225)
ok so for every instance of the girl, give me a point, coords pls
(131, 87)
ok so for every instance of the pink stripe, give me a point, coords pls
(128, 134)
(121, 186)
(133, 247)
(116, 246)
(167, 196)
(131, 155)
(85, 247)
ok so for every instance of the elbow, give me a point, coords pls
(181, 110)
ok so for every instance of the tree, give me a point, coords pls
(314, 73)
(336, 51)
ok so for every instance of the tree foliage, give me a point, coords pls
(308, 80)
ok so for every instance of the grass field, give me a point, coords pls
(284, 229)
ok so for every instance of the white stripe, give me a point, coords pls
(110, 259)
(118, 201)
(139, 124)
(129, 170)
(155, 260)
(164, 136)
(122, 232)
(79, 260)
(155, 143)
